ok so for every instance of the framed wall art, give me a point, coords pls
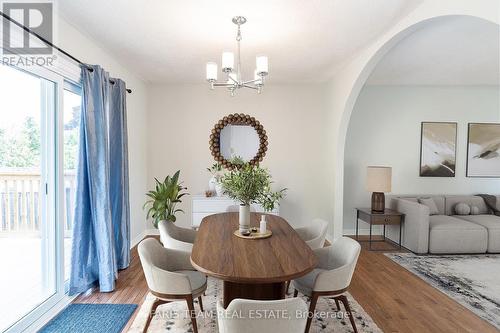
(483, 150)
(438, 149)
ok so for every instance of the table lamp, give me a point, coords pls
(378, 181)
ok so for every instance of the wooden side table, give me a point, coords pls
(388, 217)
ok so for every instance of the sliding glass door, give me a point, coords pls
(72, 104)
(27, 223)
(39, 139)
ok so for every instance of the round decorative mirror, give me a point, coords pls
(238, 136)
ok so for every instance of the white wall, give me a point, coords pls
(385, 130)
(181, 118)
(84, 48)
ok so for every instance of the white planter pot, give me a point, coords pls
(244, 218)
(218, 189)
(212, 183)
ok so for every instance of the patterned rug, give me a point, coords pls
(173, 317)
(91, 318)
(471, 280)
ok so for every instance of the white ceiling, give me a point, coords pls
(170, 41)
(452, 51)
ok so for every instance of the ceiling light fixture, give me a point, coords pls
(232, 74)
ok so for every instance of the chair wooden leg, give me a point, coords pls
(337, 304)
(156, 303)
(312, 307)
(344, 300)
(295, 293)
(190, 303)
(201, 303)
(287, 287)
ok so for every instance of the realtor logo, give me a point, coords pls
(38, 17)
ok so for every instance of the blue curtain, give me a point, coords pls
(118, 151)
(101, 238)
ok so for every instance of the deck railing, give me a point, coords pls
(20, 201)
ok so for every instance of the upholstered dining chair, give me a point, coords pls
(314, 234)
(248, 320)
(176, 238)
(170, 277)
(332, 276)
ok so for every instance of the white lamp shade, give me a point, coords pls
(262, 65)
(378, 179)
(227, 60)
(211, 71)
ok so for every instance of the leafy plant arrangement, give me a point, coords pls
(251, 184)
(164, 199)
(216, 171)
(269, 199)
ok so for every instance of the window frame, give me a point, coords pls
(53, 177)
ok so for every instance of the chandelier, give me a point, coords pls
(232, 74)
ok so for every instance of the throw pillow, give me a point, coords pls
(462, 209)
(410, 199)
(474, 210)
(429, 202)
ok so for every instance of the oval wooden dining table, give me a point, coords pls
(251, 268)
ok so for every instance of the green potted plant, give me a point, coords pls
(214, 182)
(250, 184)
(164, 199)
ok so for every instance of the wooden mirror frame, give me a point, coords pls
(237, 119)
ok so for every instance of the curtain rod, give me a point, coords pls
(50, 44)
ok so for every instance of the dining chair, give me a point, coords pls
(176, 238)
(332, 276)
(170, 277)
(314, 234)
(286, 315)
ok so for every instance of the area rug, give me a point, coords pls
(91, 318)
(471, 280)
(174, 318)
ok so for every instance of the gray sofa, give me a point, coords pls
(446, 232)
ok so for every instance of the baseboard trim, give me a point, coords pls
(137, 239)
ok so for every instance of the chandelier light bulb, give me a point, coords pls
(227, 62)
(262, 65)
(211, 71)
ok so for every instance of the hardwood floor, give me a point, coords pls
(131, 287)
(397, 300)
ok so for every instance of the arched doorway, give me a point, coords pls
(350, 95)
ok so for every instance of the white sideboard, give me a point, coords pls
(203, 206)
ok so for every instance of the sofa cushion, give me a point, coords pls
(429, 202)
(410, 199)
(449, 234)
(438, 200)
(492, 224)
(452, 200)
(463, 209)
(474, 210)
